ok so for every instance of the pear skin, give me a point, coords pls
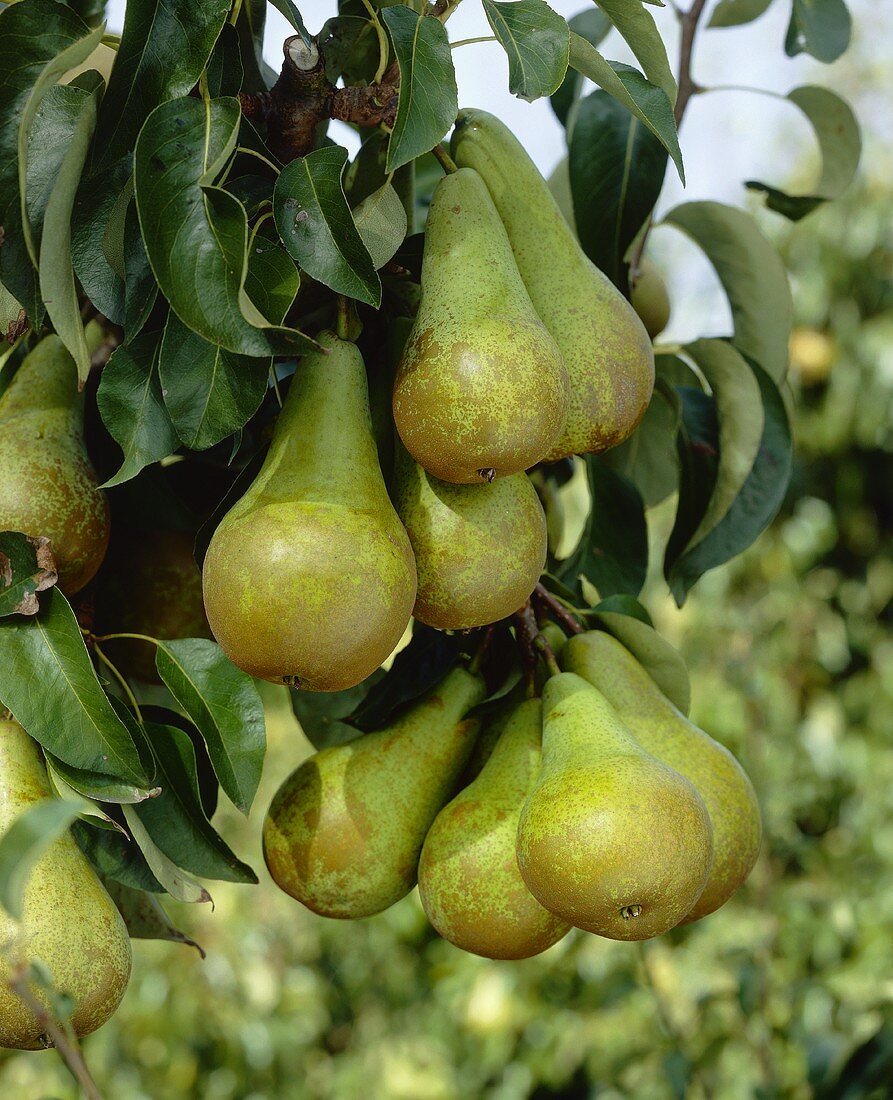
(610, 363)
(650, 299)
(344, 832)
(610, 839)
(47, 485)
(479, 549)
(661, 729)
(469, 881)
(68, 921)
(481, 388)
(310, 579)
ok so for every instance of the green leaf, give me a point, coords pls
(272, 280)
(536, 41)
(196, 234)
(612, 553)
(224, 69)
(115, 856)
(350, 46)
(819, 27)
(51, 688)
(647, 102)
(176, 821)
(250, 23)
(734, 13)
(24, 842)
(178, 883)
(102, 788)
(648, 458)
(321, 713)
(140, 288)
(144, 916)
(593, 25)
(616, 169)
(26, 568)
(224, 704)
(752, 276)
(88, 810)
(429, 100)
(132, 406)
(638, 29)
(380, 219)
(209, 392)
(318, 229)
(291, 13)
(661, 661)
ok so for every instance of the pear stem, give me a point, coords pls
(342, 323)
(483, 649)
(541, 644)
(446, 161)
(544, 598)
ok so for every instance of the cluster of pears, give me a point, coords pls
(522, 351)
(598, 806)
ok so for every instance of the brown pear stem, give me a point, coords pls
(544, 598)
(487, 635)
(446, 162)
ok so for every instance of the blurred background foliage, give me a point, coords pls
(786, 992)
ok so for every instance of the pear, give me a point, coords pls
(661, 729)
(481, 389)
(47, 485)
(344, 832)
(610, 839)
(608, 355)
(310, 579)
(469, 881)
(650, 299)
(149, 584)
(479, 549)
(68, 921)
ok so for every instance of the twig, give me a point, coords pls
(125, 687)
(526, 630)
(543, 597)
(483, 649)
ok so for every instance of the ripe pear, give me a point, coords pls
(344, 832)
(650, 299)
(610, 839)
(661, 729)
(68, 921)
(608, 355)
(310, 579)
(47, 485)
(479, 549)
(481, 388)
(149, 584)
(469, 881)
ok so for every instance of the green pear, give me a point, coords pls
(149, 584)
(344, 831)
(47, 485)
(608, 355)
(479, 549)
(481, 389)
(68, 921)
(650, 299)
(661, 729)
(310, 579)
(469, 881)
(610, 839)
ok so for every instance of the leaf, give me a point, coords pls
(209, 392)
(224, 704)
(638, 29)
(752, 275)
(593, 25)
(840, 145)
(26, 568)
(224, 69)
(132, 406)
(291, 13)
(51, 688)
(235, 492)
(115, 856)
(536, 41)
(271, 280)
(429, 100)
(612, 553)
(381, 222)
(176, 821)
(734, 13)
(321, 713)
(88, 810)
(697, 444)
(196, 234)
(350, 47)
(24, 842)
(102, 788)
(661, 661)
(818, 27)
(647, 102)
(178, 883)
(616, 169)
(144, 916)
(140, 288)
(648, 458)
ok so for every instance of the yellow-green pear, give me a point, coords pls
(650, 299)
(310, 579)
(47, 484)
(610, 839)
(479, 549)
(608, 355)
(469, 881)
(481, 388)
(344, 831)
(68, 923)
(666, 733)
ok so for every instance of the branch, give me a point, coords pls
(547, 602)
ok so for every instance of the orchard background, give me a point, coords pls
(784, 992)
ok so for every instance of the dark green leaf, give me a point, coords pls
(321, 713)
(648, 458)
(637, 27)
(429, 99)
(140, 288)
(593, 25)
(792, 207)
(291, 13)
(102, 788)
(697, 443)
(350, 47)
(819, 27)
(381, 222)
(178, 883)
(115, 856)
(235, 492)
(97, 209)
(144, 916)
(536, 41)
(24, 842)
(224, 69)
(734, 13)
(620, 604)
(26, 568)
(250, 26)
(272, 280)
